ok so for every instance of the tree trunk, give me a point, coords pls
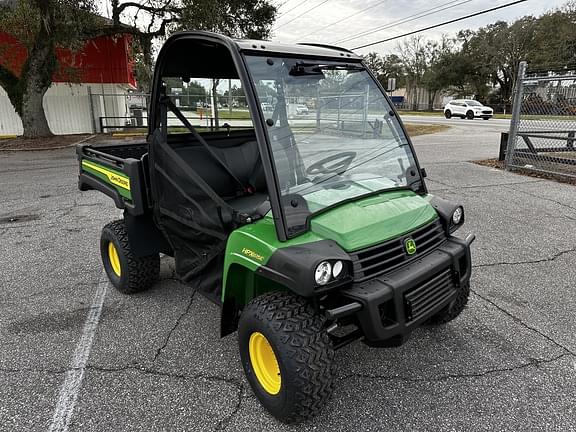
(431, 96)
(33, 116)
(37, 76)
(215, 83)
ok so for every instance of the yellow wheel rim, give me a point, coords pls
(114, 259)
(264, 363)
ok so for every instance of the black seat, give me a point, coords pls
(251, 205)
(243, 160)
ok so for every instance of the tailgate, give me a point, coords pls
(121, 179)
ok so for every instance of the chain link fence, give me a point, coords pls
(542, 133)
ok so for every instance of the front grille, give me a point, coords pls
(384, 257)
(430, 294)
(486, 112)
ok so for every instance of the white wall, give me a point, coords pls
(10, 123)
(67, 108)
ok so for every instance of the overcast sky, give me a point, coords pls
(309, 26)
(317, 20)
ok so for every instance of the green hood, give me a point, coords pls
(375, 219)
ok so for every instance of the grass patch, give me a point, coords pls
(415, 129)
(226, 114)
(422, 113)
(566, 154)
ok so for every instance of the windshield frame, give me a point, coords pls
(278, 211)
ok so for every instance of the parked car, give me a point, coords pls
(467, 108)
(301, 109)
(297, 110)
(266, 107)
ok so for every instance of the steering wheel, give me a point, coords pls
(341, 162)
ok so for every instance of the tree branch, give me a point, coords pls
(7, 79)
(11, 85)
(119, 8)
(124, 29)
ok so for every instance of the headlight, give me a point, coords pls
(323, 273)
(337, 269)
(457, 215)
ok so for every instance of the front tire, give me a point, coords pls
(447, 114)
(287, 355)
(470, 115)
(454, 309)
(128, 273)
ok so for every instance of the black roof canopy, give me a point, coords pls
(202, 54)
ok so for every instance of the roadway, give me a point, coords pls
(154, 361)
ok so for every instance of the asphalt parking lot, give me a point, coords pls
(157, 363)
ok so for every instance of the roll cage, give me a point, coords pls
(202, 54)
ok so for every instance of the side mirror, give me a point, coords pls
(423, 172)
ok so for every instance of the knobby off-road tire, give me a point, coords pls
(287, 326)
(129, 274)
(454, 309)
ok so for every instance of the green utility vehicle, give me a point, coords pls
(310, 231)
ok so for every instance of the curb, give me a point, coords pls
(49, 148)
(124, 134)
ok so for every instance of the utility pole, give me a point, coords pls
(230, 97)
(215, 83)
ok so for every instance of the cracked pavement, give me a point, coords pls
(157, 362)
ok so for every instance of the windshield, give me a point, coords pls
(333, 135)
(473, 103)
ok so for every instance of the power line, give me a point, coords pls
(281, 4)
(441, 24)
(305, 12)
(408, 19)
(343, 19)
(291, 9)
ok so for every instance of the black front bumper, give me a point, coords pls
(389, 307)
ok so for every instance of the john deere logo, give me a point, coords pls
(410, 246)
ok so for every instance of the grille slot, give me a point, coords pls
(436, 290)
(384, 257)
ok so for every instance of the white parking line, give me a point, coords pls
(73, 381)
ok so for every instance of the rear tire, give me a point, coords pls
(447, 114)
(128, 273)
(454, 309)
(470, 115)
(287, 355)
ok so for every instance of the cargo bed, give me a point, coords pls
(117, 170)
